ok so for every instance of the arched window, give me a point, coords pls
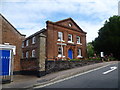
(60, 51)
(27, 42)
(33, 53)
(27, 54)
(33, 40)
(79, 52)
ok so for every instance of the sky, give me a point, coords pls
(30, 16)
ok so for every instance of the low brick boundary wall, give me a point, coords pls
(54, 66)
(29, 65)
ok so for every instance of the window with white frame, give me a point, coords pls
(79, 52)
(22, 44)
(27, 42)
(60, 36)
(69, 37)
(60, 51)
(27, 54)
(33, 53)
(78, 39)
(33, 40)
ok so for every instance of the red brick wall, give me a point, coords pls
(29, 64)
(13, 37)
(52, 36)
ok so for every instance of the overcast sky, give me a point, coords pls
(29, 16)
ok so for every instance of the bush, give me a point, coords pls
(111, 59)
(94, 58)
(75, 60)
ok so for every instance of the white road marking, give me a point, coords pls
(111, 69)
(70, 77)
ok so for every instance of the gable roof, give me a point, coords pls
(38, 32)
(2, 17)
(62, 21)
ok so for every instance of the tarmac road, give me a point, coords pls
(106, 77)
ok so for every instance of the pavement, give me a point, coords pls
(91, 79)
(29, 81)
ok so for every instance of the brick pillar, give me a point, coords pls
(75, 53)
(42, 55)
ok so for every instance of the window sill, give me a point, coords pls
(71, 42)
(61, 56)
(79, 43)
(61, 40)
(33, 43)
(79, 56)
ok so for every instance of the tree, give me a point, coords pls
(108, 39)
(90, 50)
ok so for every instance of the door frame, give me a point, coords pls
(72, 53)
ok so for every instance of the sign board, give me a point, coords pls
(101, 54)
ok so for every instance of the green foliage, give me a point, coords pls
(108, 40)
(90, 50)
(111, 58)
(74, 60)
(94, 58)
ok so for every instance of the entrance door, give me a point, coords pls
(70, 54)
(5, 62)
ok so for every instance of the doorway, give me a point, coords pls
(70, 53)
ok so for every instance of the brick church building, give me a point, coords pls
(64, 40)
(61, 40)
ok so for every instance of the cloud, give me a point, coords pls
(29, 16)
(90, 28)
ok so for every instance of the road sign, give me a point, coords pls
(101, 54)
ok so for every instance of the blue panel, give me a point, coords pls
(70, 54)
(5, 61)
